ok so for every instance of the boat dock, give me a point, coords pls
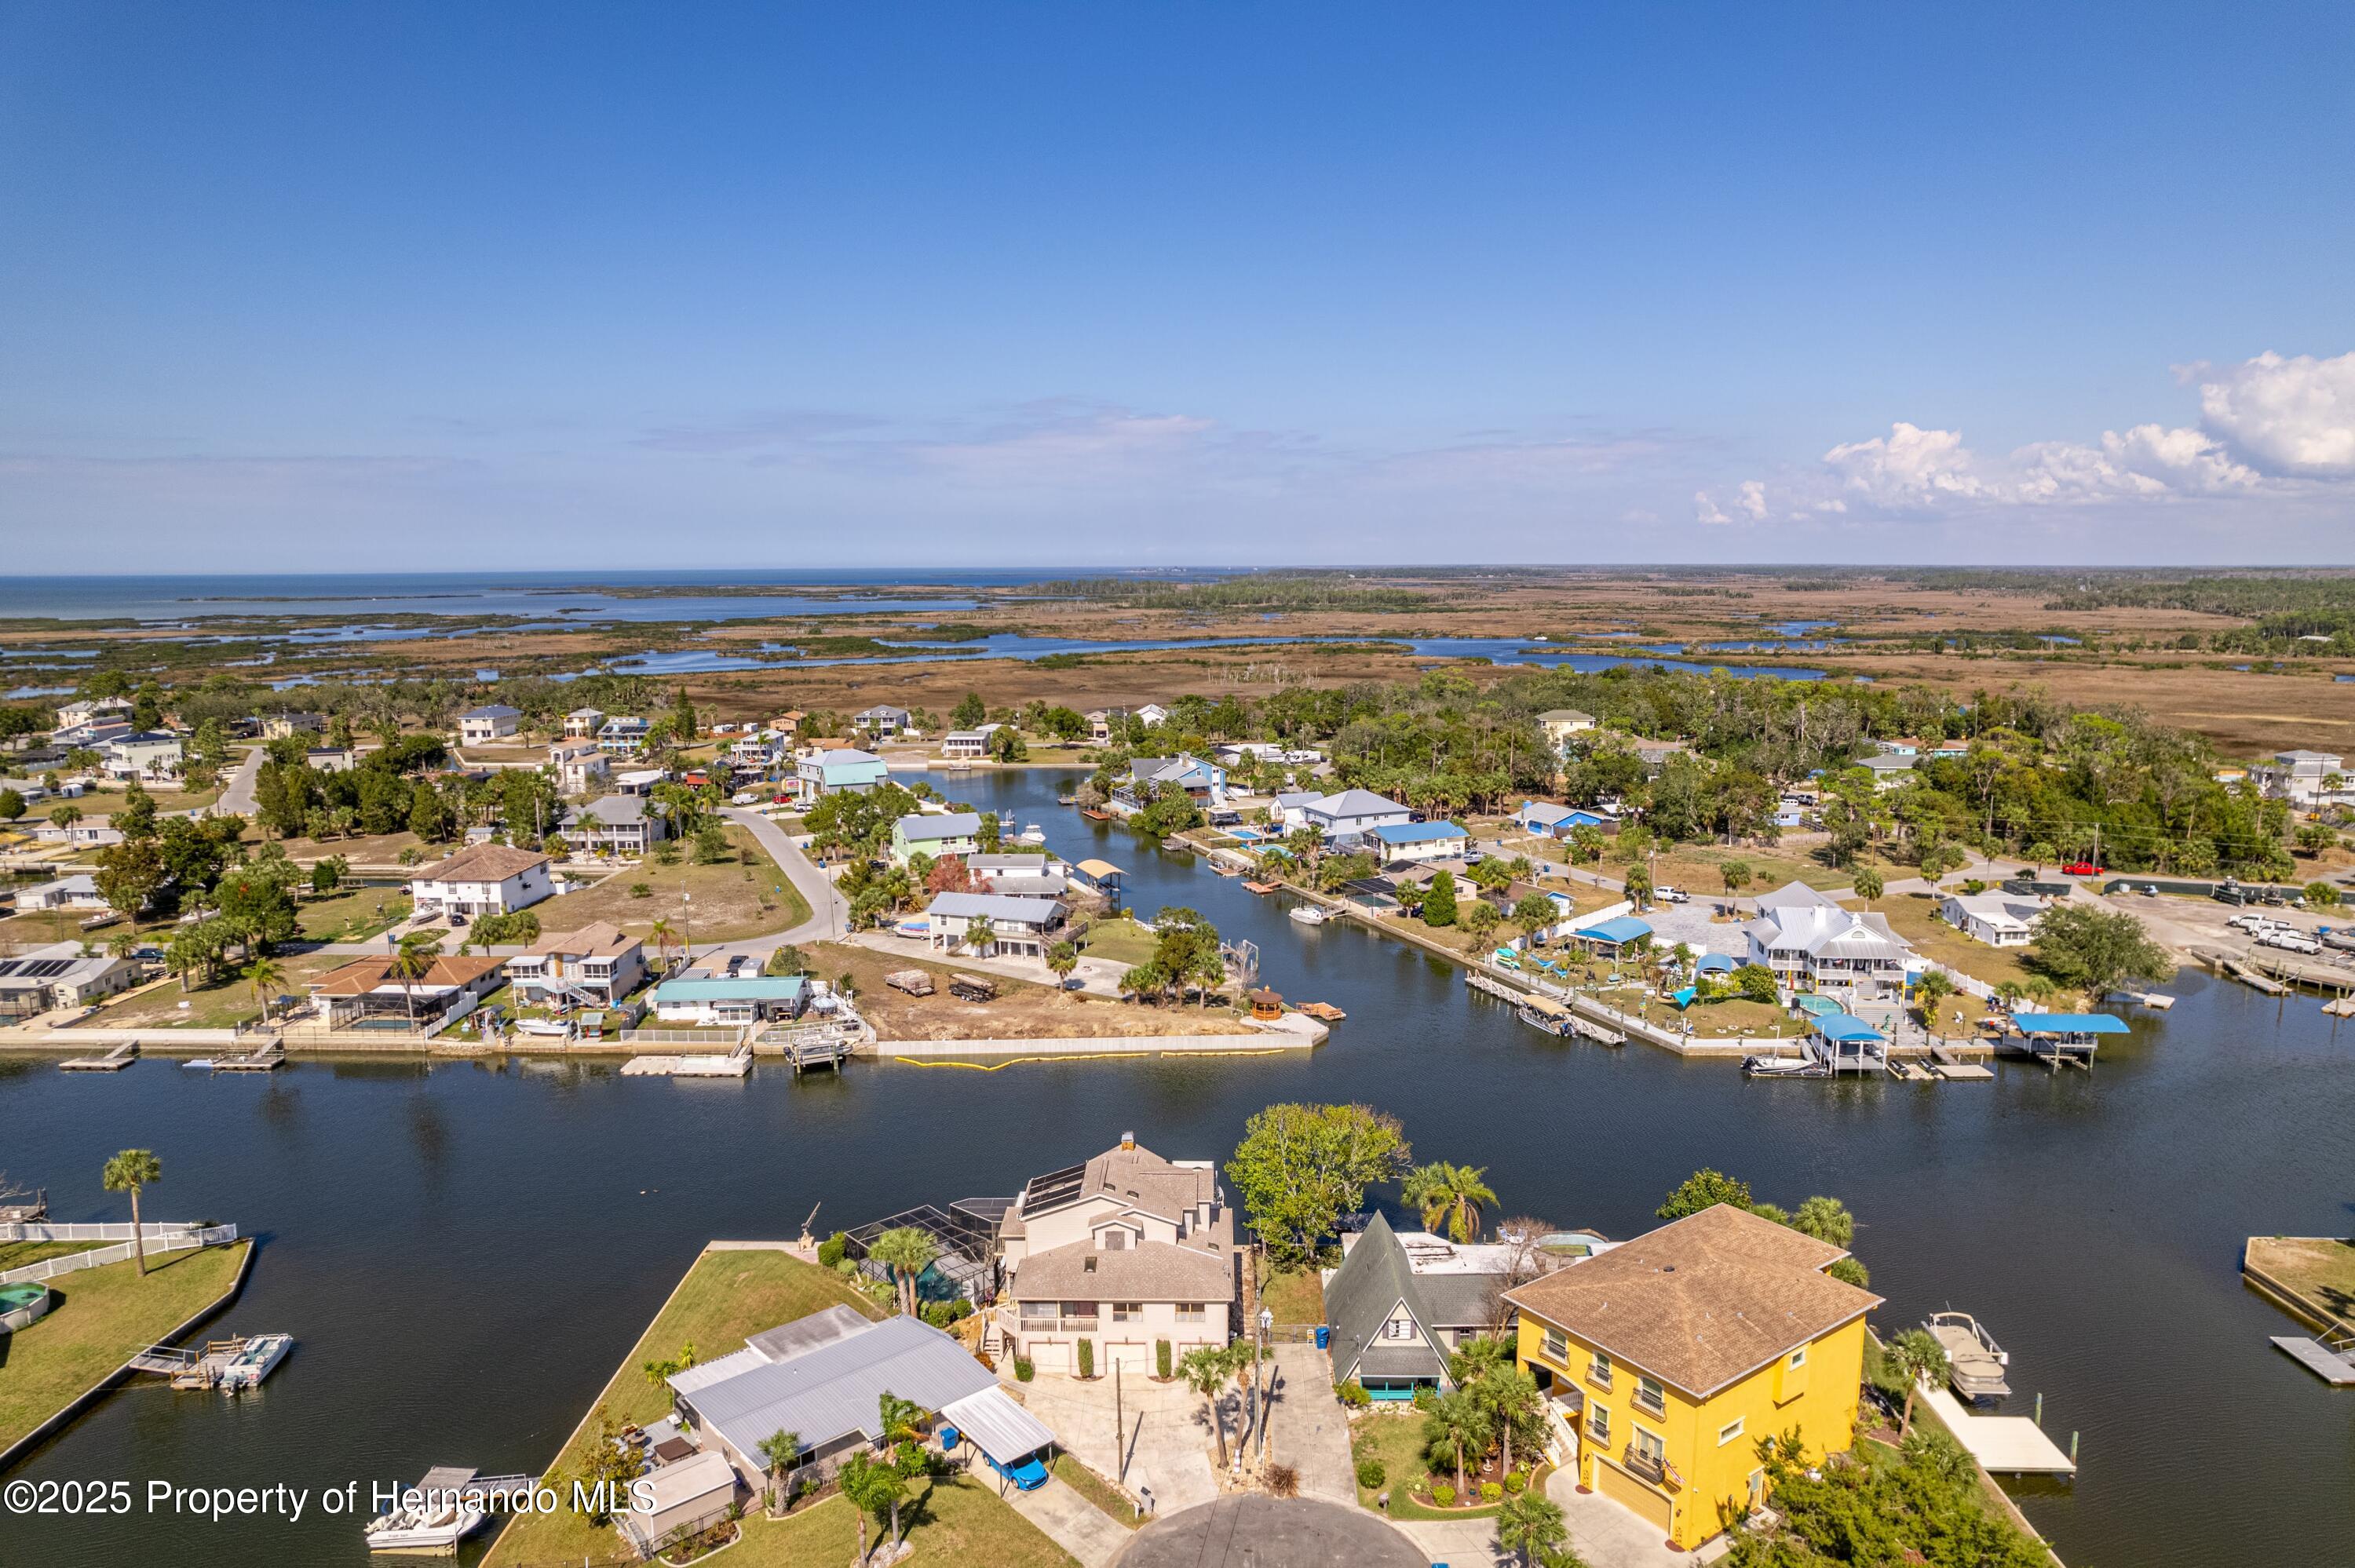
(2331, 1365)
(268, 1056)
(188, 1367)
(2003, 1445)
(114, 1061)
(736, 1064)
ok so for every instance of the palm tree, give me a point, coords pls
(411, 963)
(1062, 958)
(1827, 1219)
(1453, 1192)
(664, 938)
(264, 975)
(1205, 1369)
(781, 1448)
(1867, 884)
(900, 1423)
(1914, 1355)
(907, 1252)
(1932, 988)
(1511, 1398)
(1459, 1427)
(979, 934)
(1532, 1527)
(1638, 886)
(1736, 873)
(128, 1173)
(871, 1489)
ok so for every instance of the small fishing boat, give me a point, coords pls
(1785, 1067)
(261, 1354)
(1975, 1362)
(1067, 800)
(1223, 868)
(1310, 914)
(443, 1514)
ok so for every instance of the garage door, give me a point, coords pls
(1049, 1355)
(1628, 1491)
(1136, 1356)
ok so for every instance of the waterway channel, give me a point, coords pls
(466, 1250)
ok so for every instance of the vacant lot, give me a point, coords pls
(222, 1006)
(352, 917)
(2320, 1268)
(724, 1298)
(1022, 1011)
(99, 1317)
(743, 895)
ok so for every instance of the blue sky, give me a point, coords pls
(398, 286)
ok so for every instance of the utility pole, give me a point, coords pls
(1266, 1403)
(1119, 1429)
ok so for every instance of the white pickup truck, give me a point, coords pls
(2289, 939)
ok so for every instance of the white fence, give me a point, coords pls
(464, 1005)
(155, 1238)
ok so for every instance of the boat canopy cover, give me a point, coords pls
(1714, 963)
(1625, 928)
(1545, 1007)
(1839, 1026)
(998, 1428)
(2070, 1023)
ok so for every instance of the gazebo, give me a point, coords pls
(1266, 1005)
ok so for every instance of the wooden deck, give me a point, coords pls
(2003, 1445)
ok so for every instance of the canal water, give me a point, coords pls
(467, 1250)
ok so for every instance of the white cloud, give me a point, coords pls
(1908, 470)
(2286, 416)
(1752, 501)
(1706, 511)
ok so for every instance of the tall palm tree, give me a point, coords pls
(907, 1252)
(412, 962)
(1913, 1355)
(869, 1487)
(664, 938)
(1452, 1193)
(1512, 1400)
(264, 975)
(1459, 1427)
(128, 1173)
(1205, 1369)
(1062, 958)
(900, 1423)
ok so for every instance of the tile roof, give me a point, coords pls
(600, 939)
(481, 863)
(1703, 1301)
(1149, 1271)
(362, 976)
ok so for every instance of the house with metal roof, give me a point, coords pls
(1353, 813)
(491, 721)
(1148, 776)
(720, 1001)
(1814, 943)
(1420, 841)
(843, 771)
(826, 1387)
(1023, 926)
(1556, 821)
(936, 833)
(615, 825)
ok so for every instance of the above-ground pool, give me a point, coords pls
(22, 1304)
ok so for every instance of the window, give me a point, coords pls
(1399, 1327)
(1650, 1396)
(1127, 1311)
(1557, 1347)
(1116, 1239)
(1598, 1371)
(1191, 1312)
(1598, 1423)
(1080, 1309)
(1799, 1358)
(1729, 1432)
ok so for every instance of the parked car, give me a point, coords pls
(2289, 941)
(2082, 868)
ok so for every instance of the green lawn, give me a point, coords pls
(950, 1520)
(352, 917)
(1396, 1439)
(99, 1317)
(724, 1298)
(2319, 1268)
(1122, 941)
(16, 1255)
(1297, 1297)
(1097, 1491)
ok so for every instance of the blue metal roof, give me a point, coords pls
(745, 988)
(1419, 832)
(1712, 963)
(2070, 1023)
(1840, 1027)
(1625, 928)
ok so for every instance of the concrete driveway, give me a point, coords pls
(1165, 1447)
(1309, 1429)
(1071, 1521)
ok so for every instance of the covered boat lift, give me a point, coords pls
(2059, 1037)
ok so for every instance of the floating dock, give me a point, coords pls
(735, 1064)
(114, 1061)
(2317, 1358)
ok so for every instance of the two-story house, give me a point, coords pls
(580, 766)
(883, 720)
(1024, 927)
(935, 835)
(1122, 1252)
(1402, 1303)
(144, 754)
(483, 879)
(1664, 1361)
(1813, 944)
(597, 965)
(623, 735)
(581, 724)
(1353, 813)
(494, 721)
(1148, 776)
(838, 771)
(614, 824)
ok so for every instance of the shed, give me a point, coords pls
(692, 1494)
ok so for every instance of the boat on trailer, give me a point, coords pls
(1975, 1362)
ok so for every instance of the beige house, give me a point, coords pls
(597, 965)
(484, 879)
(1122, 1252)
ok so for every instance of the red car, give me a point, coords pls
(2082, 868)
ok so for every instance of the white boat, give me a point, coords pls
(551, 1026)
(1975, 1362)
(247, 1368)
(1032, 834)
(441, 1515)
(1311, 914)
(1785, 1067)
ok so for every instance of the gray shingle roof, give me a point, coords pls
(1149, 1271)
(1358, 1299)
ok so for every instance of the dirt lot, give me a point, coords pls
(218, 1006)
(744, 896)
(1022, 1011)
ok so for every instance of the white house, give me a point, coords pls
(1999, 919)
(2305, 778)
(1353, 811)
(965, 744)
(84, 711)
(1811, 943)
(1420, 841)
(581, 724)
(1023, 926)
(478, 726)
(883, 720)
(1151, 713)
(1561, 724)
(60, 976)
(331, 758)
(580, 766)
(1124, 1251)
(1888, 770)
(1148, 776)
(598, 965)
(77, 892)
(147, 754)
(483, 879)
(614, 824)
(722, 1001)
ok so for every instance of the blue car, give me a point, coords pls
(1027, 1473)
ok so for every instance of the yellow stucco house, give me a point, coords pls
(1667, 1358)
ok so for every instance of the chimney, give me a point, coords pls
(1128, 1140)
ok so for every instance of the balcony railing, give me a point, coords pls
(1645, 1399)
(1039, 1325)
(1652, 1467)
(1082, 1325)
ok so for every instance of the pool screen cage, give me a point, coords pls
(967, 1264)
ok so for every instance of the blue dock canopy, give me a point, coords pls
(2070, 1023)
(1621, 931)
(1842, 1028)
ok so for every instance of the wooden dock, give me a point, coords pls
(2317, 1358)
(1490, 986)
(2003, 1445)
(114, 1061)
(269, 1056)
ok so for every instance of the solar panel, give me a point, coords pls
(10, 966)
(1054, 1188)
(42, 969)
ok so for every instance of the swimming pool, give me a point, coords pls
(22, 1304)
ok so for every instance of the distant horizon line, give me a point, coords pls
(1458, 567)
